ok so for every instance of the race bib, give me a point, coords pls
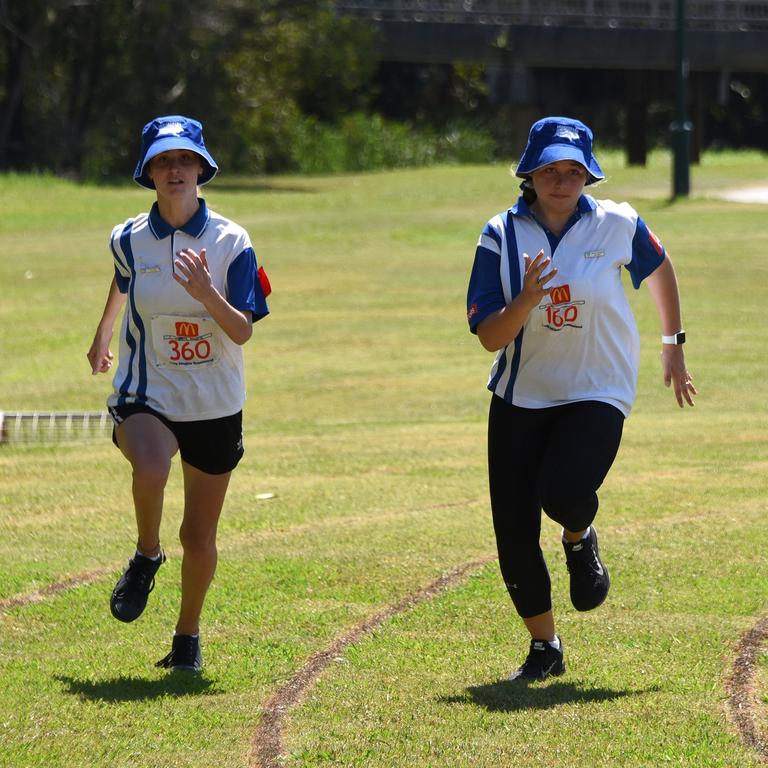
(185, 342)
(564, 308)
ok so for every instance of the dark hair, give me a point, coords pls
(529, 193)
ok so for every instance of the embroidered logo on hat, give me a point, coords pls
(566, 132)
(171, 129)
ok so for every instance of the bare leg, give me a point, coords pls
(203, 501)
(149, 446)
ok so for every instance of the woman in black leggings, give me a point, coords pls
(565, 373)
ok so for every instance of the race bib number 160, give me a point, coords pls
(563, 310)
(184, 342)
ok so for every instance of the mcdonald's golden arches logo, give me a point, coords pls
(560, 294)
(187, 329)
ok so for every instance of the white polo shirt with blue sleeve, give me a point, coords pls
(173, 356)
(581, 342)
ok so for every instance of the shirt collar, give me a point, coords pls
(585, 204)
(194, 227)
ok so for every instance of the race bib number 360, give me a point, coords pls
(184, 342)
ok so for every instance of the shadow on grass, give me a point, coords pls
(138, 688)
(507, 696)
(251, 185)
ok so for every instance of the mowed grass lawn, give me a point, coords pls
(366, 420)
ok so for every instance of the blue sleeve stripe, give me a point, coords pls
(244, 290)
(484, 293)
(647, 254)
(492, 253)
(122, 281)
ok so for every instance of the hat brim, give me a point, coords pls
(210, 169)
(555, 153)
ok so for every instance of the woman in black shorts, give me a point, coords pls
(191, 289)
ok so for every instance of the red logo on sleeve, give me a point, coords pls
(472, 312)
(656, 243)
(266, 287)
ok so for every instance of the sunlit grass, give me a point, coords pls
(366, 420)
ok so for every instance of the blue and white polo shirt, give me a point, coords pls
(581, 342)
(173, 356)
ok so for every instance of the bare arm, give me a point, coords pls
(662, 284)
(192, 273)
(99, 355)
(501, 328)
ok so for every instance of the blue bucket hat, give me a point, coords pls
(172, 132)
(559, 138)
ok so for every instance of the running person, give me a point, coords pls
(546, 295)
(192, 290)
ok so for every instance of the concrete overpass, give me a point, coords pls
(623, 34)
(536, 50)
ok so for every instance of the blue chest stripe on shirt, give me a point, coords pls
(515, 288)
(140, 348)
(501, 366)
(124, 283)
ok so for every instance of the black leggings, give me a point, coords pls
(553, 459)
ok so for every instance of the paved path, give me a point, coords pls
(745, 195)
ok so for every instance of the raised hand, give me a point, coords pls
(191, 272)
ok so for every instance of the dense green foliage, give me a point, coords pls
(83, 77)
(278, 84)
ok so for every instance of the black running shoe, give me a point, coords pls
(129, 597)
(543, 660)
(185, 654)
(589, 577)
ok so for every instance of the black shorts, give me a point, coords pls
(214, 446)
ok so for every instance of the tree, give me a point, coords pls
(82, 76)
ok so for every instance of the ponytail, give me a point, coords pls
(529, 193)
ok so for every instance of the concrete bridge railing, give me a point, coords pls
(709, 15)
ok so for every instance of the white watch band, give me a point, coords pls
(675, 338)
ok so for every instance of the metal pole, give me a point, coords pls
(681, 127)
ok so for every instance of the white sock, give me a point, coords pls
(555, 643)
(154, 559)
(585, 535)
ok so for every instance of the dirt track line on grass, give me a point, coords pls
(267, 744)
(78, 580)
(740, 687)
(31, 598)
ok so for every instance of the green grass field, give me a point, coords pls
(366, 419)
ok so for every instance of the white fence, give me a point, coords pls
(53, 426)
